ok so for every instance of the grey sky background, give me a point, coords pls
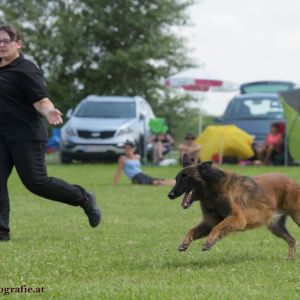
(245, 40)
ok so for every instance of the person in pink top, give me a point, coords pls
(273, 143)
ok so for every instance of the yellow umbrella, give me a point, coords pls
(227, 140)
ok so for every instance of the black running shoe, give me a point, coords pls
(4, 236)
(91, 210)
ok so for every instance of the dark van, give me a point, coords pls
(257, 107)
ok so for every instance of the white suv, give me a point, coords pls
(100, 125)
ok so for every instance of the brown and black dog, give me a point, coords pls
(231, 202)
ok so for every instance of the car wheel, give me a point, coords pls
(65, 158)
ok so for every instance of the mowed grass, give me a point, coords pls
(133, 255)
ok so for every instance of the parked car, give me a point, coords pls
(254, 113)
(257, 107)
(100, 125)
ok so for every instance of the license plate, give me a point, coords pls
(93, 148)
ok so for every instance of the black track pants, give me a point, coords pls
(28, 157)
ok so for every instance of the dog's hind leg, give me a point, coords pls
(278, 228)
(234, 222)
(197, 232)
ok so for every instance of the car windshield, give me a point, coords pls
(118, 110)
(254, 108)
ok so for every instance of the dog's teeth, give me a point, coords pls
(190, 195)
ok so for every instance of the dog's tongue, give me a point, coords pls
(186, 202)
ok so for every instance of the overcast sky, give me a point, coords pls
(246, 40)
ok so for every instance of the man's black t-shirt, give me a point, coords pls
(21, 85)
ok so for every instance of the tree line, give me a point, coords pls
(108, 47)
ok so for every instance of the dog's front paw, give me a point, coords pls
(207, 246)
(182, 247)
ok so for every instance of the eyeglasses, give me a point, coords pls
(5, 42)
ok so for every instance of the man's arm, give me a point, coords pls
(193, 150)
(47, 109)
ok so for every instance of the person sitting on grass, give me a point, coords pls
(190, 148)
(131, 165)
(273, 144)
(161, 145)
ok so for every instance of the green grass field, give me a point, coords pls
(133, 255)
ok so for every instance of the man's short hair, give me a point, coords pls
(190, 136)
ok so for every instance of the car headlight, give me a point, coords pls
(126, 130)
(70, 131)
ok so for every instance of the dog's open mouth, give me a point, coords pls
(187, 199)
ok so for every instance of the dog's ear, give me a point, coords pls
(208, 163)
(204, 165)
(186, 160)
(208, 173)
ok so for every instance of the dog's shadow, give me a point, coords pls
(213, 262)
(198, 262)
